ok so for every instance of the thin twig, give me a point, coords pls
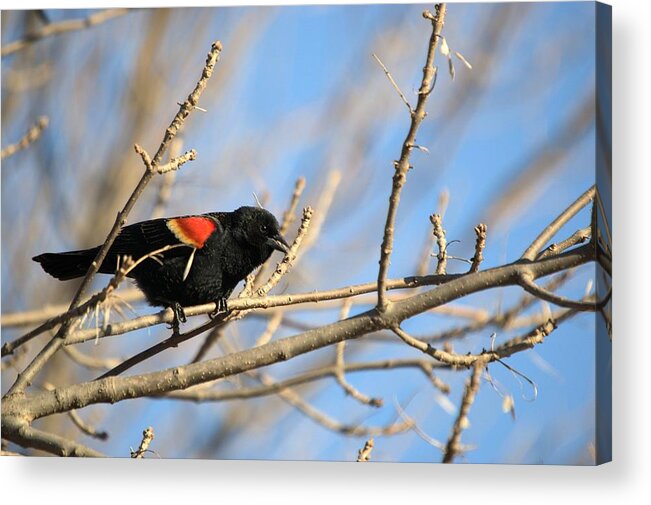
(175, 163)
(30, 317)
(211, 339)
(422, 269)
(90, 362)
(321, 209)
(578, 237)
(202, 394)
(290, 214)
(480, 244)
(12, 361)
(147, 437)
(340, 367)
(418, 430)
(558, 223)
(472, 386)
(167, 182)
(295, 400)
(503, 319)
(53, 29)
(535, 336)
(288, 218)
(532, 288)
(395, 85)
(21, 433)
(254, 302)
(439, 233)
(86, 428)
(347, 387)
(284, 266)
(218, 331)
(31, 136)
(402, 165)
(364, 454)
(272, 327)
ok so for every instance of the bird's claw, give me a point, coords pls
(179, 317)
(222, 308)
(179, 313)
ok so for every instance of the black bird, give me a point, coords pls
(220, 249)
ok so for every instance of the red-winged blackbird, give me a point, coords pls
(222, 249)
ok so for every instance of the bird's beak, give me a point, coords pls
(278, 243)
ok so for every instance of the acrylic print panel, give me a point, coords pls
(441, 177)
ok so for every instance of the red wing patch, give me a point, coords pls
(193, 231)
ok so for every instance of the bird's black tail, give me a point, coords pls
(67, 265)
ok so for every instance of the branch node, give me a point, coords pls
(364, 454)
(480, 244)
(439, 233)
(147, 437)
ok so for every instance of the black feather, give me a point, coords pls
(242, 241)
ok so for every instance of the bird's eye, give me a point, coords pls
(264, 228)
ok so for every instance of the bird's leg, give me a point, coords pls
(179, 313)
(222, 308)
(179, 317)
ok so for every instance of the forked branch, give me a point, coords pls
(402, 165)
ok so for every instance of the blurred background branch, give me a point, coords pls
(52, 29)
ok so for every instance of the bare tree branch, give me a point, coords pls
(357, 430)
(578, 237)
(167, 182)
(553, 228)
(31, 136)
(114, 389)
(439, 233)
(250, 303)
(290, 214)
(53, 29)
(340, 367)
(364, 453)
(402, 165)
(426, 254)
(452, 447)
(86, 428)
(22, 434)
(532, 288)
(480, 244)
(203, 394)
(147, 438)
